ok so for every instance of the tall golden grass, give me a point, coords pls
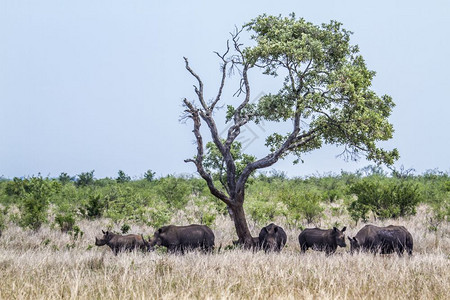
(49, 265)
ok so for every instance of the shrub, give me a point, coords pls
(149, 175)
(386, 198)
(64, 178)
(174, 190)
(35, 197)
(85, 179)
(159, 216)
(302, 205)
(65, 221)
(94, 208)
(208, 219)
(125, 228)
(122, 177)
(34, 212)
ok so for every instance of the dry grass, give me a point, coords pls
(41, 266)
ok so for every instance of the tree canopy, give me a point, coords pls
(327, 88)
(326, 95)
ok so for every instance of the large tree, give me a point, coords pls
(326, 96)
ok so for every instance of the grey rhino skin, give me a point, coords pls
(384, 240)
(119, 242)
(271, 238)
(182, 238)
(322, 239)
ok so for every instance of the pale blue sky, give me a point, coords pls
(97, 85)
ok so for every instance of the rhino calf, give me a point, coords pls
(272, 238)
(183, 238)
(119, 242)
(322, 239)
(384, 240)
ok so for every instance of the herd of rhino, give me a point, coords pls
(370, 238)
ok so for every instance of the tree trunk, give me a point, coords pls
(230, 212)
(240, 222)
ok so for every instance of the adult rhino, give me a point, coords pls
(271, 238)
(119, 242)
(322, 239)
(182, 238)
(384, 240)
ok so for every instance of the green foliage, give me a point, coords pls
(122, 177)
(159, 216)
(302, 205)
(326, 83)
(125, 228)
(263, 212)
(208, 219)
(149, 175)
(65, 221)
(85, 179)
(174, 191)
(64, 178)
(94, 208)
(386, 198)
(76, 232)
(34, 194)
(272, 195)
(215, 163)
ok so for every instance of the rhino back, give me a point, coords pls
(190, 235)
(315, 236)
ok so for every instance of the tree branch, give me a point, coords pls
(224, 72)
(199, 90)
(194, 115)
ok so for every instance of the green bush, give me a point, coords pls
(302, 205)
(159, 216)
(122, 177)
(208, 219)
(65, 221)
(264, 212)
(94, 208)
(149, 175)
(64, 178)
(174, 190)
(125, 228)
(85, 179)
(34, 194)
(385, 197)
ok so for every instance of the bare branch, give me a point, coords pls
(198, 91)
(194, 115)
(224, 71)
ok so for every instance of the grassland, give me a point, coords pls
(49, 264)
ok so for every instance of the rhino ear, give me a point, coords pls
(349, 238)
(103, 232)
(335, 229)
(343, 229)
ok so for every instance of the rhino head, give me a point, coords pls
(354, 244)
(339, 236)
(104, 239)
(155, 240)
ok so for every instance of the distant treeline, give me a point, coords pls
(33, 201)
